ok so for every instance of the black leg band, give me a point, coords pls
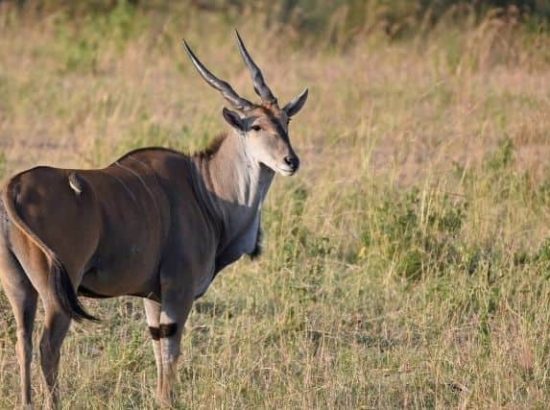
(155, 332)
(168, 330)
(163, 331)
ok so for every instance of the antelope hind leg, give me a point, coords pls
(56, 325)
(22, 297)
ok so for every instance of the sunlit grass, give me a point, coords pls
(406, 265)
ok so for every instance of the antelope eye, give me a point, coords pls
(256, 128)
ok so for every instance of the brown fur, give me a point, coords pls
(212, 148)
(156, 224)
(147, 225)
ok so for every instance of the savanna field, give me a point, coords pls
(406, 265)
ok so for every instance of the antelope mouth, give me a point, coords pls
(286, 171)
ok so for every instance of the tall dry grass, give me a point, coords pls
(406, 265)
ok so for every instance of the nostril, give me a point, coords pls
(292, 161)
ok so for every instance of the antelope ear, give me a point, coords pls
(296, 104)
(233, 119)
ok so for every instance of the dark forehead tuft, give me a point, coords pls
(271, 111)
(272, 108)
(274, 116)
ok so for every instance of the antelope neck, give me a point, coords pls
(236, 186)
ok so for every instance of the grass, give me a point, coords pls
(406, 265)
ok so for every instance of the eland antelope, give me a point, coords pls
(157, 224)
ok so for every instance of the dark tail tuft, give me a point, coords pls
(65, 293)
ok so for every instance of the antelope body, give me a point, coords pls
(157, 224)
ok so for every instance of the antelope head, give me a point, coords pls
(263, 126)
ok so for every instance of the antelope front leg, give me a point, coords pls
(152, 313)
(175, 309)
(176, 299)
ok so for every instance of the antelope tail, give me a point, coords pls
(59, 281)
